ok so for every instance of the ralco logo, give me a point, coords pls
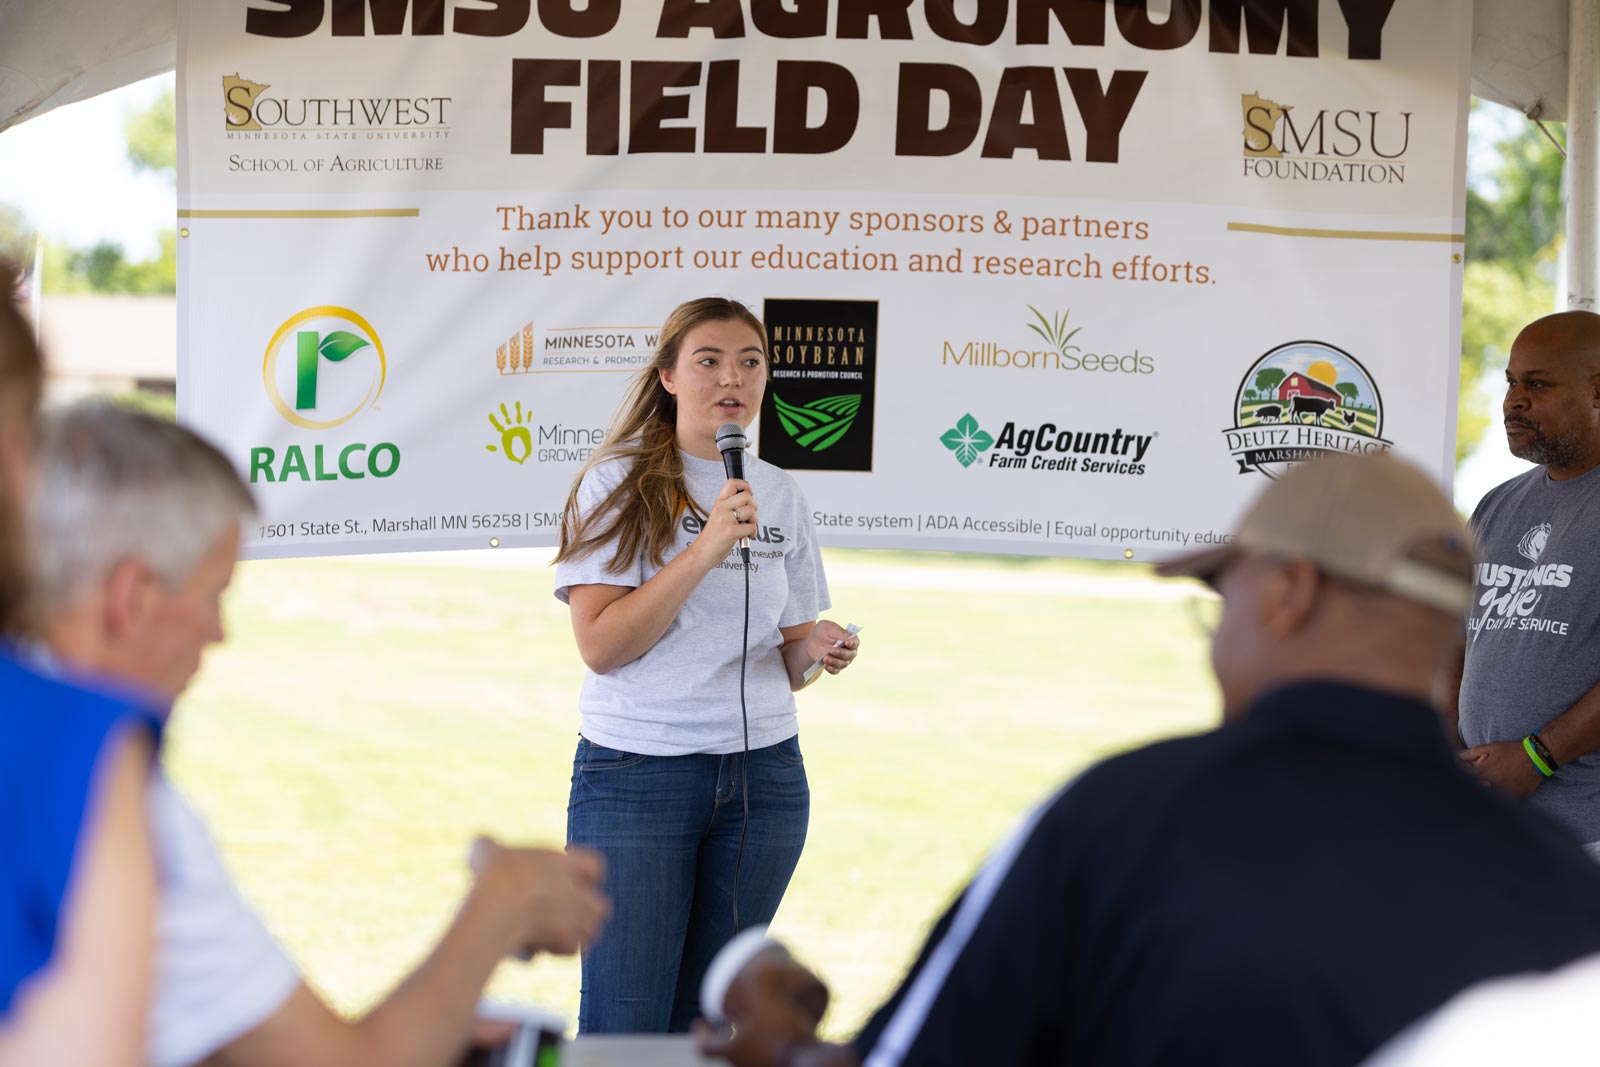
(337, 372)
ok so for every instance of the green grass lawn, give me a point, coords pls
(366, 719)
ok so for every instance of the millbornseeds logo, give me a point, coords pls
(1061, 352)
(822, 361)
(1302, 400)
(335, 334)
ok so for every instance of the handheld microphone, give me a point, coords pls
(731, 443)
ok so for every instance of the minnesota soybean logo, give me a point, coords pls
(337, 371)
(822, 369)
(819, 425)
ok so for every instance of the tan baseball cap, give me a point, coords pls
(1371, 519)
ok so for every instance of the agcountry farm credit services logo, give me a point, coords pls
(324, 335)
(1341, 146)
(1302, 400)
(1048, 446)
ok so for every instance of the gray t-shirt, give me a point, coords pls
(682, 696)
(1533, 633)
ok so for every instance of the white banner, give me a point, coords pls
(1041, 277)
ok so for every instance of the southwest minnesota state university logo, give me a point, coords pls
(822, 374)
(1302, 400)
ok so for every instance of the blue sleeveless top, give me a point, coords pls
(52, 738)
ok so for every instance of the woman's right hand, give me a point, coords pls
(731, 517)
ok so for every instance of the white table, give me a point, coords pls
(645, 1050)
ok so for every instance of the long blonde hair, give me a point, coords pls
(21, 378)
(642, 511)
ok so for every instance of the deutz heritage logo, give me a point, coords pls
(822, 366)
(1335, 145)
(322, 337)
(1302, 400)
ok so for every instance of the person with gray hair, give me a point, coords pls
(138, 523)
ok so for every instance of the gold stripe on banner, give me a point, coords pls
(1348, 235)
(323, 213)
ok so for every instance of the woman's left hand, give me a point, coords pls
(820, 646)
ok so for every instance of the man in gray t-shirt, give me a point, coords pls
(1530, 687)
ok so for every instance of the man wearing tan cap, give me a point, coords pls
(1530, 690)
(1294, 887)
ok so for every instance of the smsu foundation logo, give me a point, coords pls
(1337, 146)
(1302, 400)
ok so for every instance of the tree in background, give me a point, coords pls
(1514, 236)
(152, 136)
(1268, 379)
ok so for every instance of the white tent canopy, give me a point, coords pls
(55, 52)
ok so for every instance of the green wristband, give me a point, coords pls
(1543, 767)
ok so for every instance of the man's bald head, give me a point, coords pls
(1572, 337)
(1552, 402)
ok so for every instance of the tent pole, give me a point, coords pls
(1583, 153)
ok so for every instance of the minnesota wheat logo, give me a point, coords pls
(332, 335)
(516, 440)
(966, 440)
(517, 351)
(820, 424)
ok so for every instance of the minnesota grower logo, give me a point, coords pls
(334, 370)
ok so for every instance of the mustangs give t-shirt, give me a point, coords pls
(682, 696)
(1533, 628)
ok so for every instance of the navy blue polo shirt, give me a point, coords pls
(1292, 888)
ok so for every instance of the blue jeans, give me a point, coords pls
(668, 827)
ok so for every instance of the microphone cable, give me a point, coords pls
(744, 761)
